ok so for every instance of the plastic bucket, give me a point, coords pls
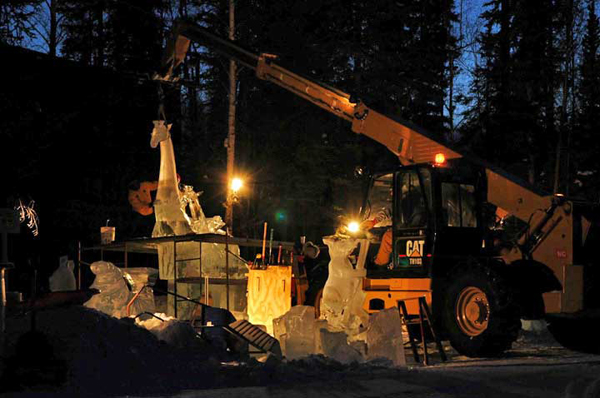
(107, 235)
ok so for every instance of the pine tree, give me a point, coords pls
(588, 125)
(45, 22)
(512, 115)
(134, 35)
(15, 26)
(535, 83)
(434, 47)
(589, 84)
(490, 93)
(125, 35)
(85, 33)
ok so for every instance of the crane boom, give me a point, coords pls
(553, 226)
(411, 145)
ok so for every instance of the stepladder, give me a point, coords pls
(424, 322)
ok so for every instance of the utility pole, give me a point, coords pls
(561, 166)
(231, 124)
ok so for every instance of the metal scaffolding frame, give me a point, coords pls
(150, 246)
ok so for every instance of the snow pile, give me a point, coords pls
(154, 323)
(105, 355)
(315, 368)
(535, 332)
(173, 332)
(177, 334)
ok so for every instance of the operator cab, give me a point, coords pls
(420, 214)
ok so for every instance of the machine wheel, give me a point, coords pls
(478, 315)
(576, 332)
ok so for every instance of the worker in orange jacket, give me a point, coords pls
(382, 219)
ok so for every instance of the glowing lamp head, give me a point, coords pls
(440, 159)
(353, 227)
(559, 199)
(236, 184)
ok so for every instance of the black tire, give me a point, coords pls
(480, 319)
(577, 333)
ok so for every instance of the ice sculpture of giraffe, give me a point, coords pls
(171, 219)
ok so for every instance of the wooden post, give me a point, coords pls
(231, 123)
(227, 265)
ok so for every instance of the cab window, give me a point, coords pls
(380, 201)
(458, 205)
(413, 199)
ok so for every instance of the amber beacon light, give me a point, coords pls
(440, 159)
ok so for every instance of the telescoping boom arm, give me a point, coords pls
(409, 145)
(550, 228)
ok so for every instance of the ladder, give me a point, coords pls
(254, 336)
(424, 317)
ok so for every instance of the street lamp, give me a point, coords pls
(235, 185)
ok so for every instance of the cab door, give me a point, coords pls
(406, 245)
(412, 239)
(459, 230)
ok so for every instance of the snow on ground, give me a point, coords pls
(104, 356)
(88, 351)
(81, 351)
(529, 370)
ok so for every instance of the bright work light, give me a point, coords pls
(236, 184)
(353, 226)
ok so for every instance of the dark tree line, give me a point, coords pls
(512, 119)
(301, 159)
(587, 125)
(531, 104)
